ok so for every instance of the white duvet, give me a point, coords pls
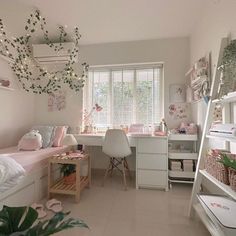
(10, 173)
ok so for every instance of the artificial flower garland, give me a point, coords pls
(31, 75)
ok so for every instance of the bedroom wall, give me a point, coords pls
(17, 110)
(218, 21)
(173, 52)
(17, 107)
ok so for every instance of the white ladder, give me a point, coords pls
(208, 120)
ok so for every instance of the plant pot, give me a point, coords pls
(70, 179)
(232, 178)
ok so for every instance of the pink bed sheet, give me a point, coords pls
(32, 160)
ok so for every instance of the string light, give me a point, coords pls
(24, 65)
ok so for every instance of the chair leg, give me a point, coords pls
(112, 167)
(107, 171)
(127, 167)
(124, 177)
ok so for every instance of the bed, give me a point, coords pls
(33, 186)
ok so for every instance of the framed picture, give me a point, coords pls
(177, 93)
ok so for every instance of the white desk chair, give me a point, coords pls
(116, 146)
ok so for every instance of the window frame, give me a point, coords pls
(88, 88)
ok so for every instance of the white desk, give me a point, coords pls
(151, 157)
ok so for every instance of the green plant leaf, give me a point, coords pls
(20, 221)
(16, 219)
(54, 225)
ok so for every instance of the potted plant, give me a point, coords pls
(69, 173)
(231, 165)
(22, 221)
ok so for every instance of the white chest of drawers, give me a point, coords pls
(152, 162)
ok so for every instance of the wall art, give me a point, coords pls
(177, 93)
(179, 111)
(57, 101)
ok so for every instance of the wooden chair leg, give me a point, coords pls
(107, 171)
(112, 167)
(127, 167)
(124, 177)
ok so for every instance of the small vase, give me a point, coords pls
(70, 179)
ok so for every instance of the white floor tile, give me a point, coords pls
(111, 211)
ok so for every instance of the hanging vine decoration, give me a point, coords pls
(228, 69)
(33, 76)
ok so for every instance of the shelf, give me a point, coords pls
(174, 155)
(222, 138)
(181, 181)
(6, 88)
(225, 188)
(226, 99)
(212, 228)
(181, 174)
(183, 137)
(62, 188)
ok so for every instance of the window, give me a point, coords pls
(128, 94)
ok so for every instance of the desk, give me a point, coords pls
(151, 157)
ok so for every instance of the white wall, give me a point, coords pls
(217, 22)
(17, 107)
(17, 110)
(173, 52)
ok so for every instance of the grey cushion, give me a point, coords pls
(47, 133)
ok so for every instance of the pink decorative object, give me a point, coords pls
(87, 117)
(136, 128)
(59, 135)
(31, 141)
(191, 129)
(5, 83)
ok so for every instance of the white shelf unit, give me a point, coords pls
(202, 174)
(181, 155)
(6, 88)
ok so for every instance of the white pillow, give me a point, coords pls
(9, 169)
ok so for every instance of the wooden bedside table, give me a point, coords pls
(58, 186)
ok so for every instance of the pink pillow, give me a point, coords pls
(59, 135)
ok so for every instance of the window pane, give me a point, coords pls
(101, 96)
(123, 87)
(144, 95)
(126, 95)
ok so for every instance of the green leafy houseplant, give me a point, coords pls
(67, 169)
(22, 221)
(226, 161)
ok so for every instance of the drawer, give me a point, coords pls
(152, 178)
(152, 161)
(151, 145)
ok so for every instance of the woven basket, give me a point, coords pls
(217, 169)
(232, 178)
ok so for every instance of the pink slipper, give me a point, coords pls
(40, 209)
(54, 205)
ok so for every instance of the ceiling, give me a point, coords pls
(101, 21)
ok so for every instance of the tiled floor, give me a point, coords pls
(111, 211)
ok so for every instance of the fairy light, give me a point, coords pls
(23, 62)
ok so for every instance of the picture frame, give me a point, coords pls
(177, 93)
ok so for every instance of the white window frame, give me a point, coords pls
(87, 92)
